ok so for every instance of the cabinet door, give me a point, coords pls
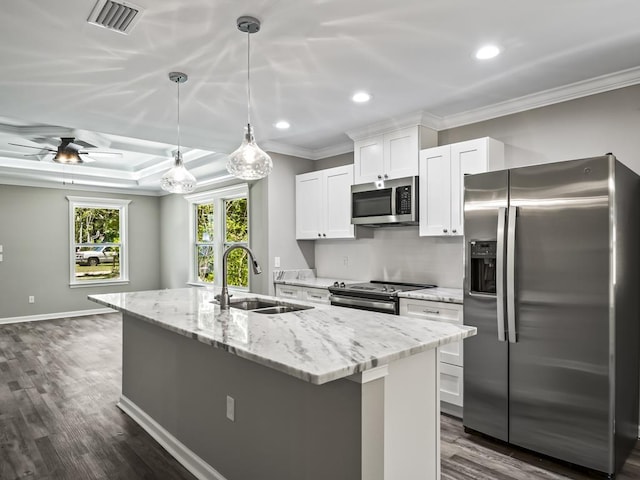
(315, 295)
(309, 207)
(401, 153)
(467, 158)
(288, 291)
(451, 384)
(435, 191)
(368, 159)
(451, 353)
(337, 202)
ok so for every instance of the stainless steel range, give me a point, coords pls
(375, 296)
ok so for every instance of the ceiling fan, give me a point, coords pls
(69, 151)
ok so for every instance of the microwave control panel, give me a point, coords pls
(403, 200)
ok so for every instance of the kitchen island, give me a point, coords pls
(326, 392)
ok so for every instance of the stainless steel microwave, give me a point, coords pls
(386, 202)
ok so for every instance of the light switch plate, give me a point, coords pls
(0, 248)
(231, 408)
(1, 259)
(276, 262)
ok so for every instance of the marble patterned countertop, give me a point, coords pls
(437, 294)
(318, 345)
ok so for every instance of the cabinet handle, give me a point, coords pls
(324, 234)
(386, 176)
(319, 234)
(444, 230)
(435, 312)
(287, 292)
(315, 296)
(379, 177)
(454, 230)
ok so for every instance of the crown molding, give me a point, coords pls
(394, 123)
(308, 153)
(585, 88)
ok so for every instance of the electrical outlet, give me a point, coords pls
(231, 408)
(1, 257)
(32, 299)
(276, 262)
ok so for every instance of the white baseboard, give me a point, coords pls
(192, 462)
(55, 316)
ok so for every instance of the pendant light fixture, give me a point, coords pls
(249, 161)
(178, 179)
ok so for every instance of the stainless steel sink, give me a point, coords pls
(266, 306)
(252, 304)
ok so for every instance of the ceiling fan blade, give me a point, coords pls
(29, 146)
(35, 154)
(119, 154)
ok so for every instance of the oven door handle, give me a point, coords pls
(356, 302)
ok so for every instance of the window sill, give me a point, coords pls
(98, 284)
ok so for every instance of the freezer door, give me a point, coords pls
(559, 363)
(485, 407)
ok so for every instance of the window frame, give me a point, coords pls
(110, 203)
(217, 198)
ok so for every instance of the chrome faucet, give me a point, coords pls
(224, 296)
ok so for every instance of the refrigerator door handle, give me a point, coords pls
(511, 273)
(502, 215)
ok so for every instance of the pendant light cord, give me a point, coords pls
(178, 108)
(248, 80)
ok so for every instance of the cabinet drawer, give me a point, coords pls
(287, 291)
(438, 312)
(316, 295)
(451, 384)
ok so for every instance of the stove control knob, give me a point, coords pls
(384, 288)
(391, 289)
(336, 284)
(342, 285)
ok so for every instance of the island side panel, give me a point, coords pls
(284, 428)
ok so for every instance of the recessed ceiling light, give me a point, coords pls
(282, 125)
(361, 97)
(488, 51)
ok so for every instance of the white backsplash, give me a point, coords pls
(393, 254)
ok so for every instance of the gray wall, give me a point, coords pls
(174, 242)
(34, 231)
(284, 428)
(585, 127)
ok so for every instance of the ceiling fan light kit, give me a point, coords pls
(178, 179)
(249, 161)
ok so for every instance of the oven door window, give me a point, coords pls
(371, 203)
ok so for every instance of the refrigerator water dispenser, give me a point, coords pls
(483, 266)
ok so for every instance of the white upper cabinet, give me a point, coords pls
(323, 204)
(390, 155)
(442, 171)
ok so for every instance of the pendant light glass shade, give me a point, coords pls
(178, 179)
(249, 161)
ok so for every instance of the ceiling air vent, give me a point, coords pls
(119, 17)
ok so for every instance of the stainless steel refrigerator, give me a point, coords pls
(552, 284)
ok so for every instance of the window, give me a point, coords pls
(220, 220)
(97, 229)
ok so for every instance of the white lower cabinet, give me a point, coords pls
(306, 294)
(452, 354)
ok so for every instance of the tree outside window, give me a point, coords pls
(97, 228)
(220, 221)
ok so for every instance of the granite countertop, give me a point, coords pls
(317, 345)
(437, 294)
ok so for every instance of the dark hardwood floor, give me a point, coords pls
(59, 384)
